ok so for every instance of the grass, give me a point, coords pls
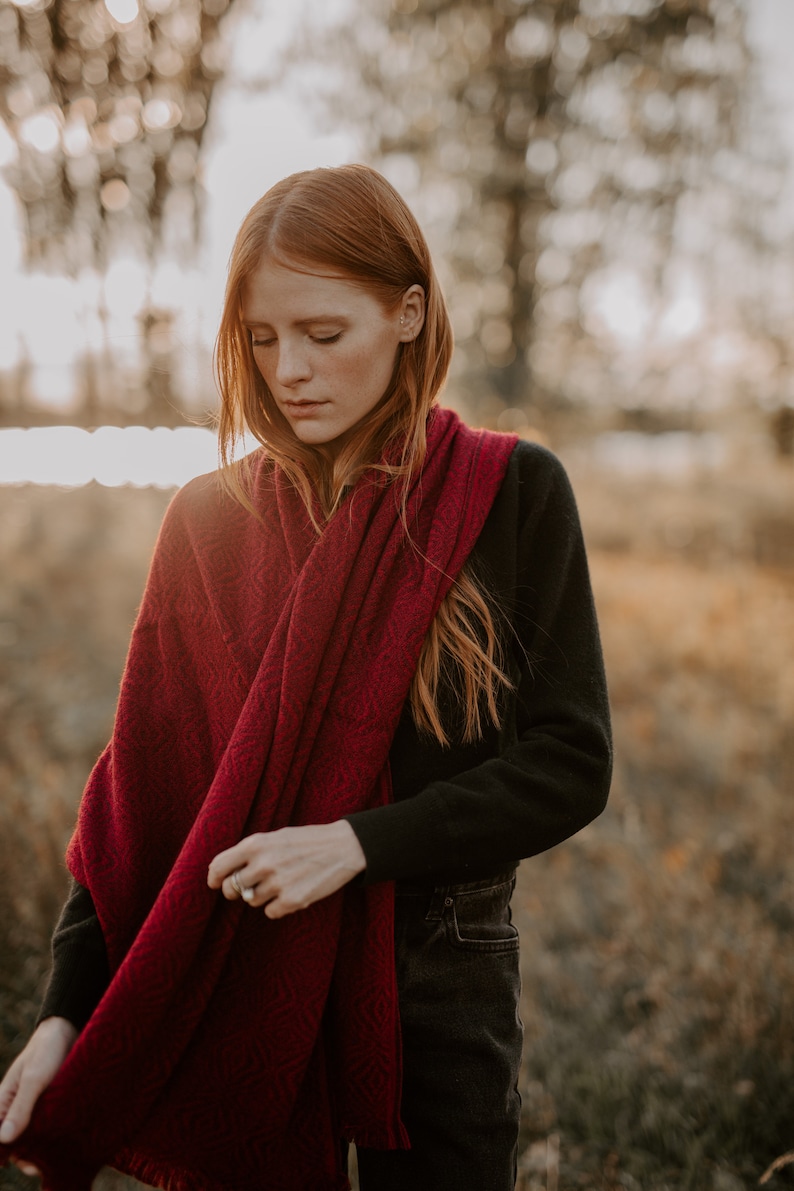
(658, 958)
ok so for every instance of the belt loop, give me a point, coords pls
(438, 903)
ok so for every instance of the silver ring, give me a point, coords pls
(236, 883)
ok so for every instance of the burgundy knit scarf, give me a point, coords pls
(265, 679)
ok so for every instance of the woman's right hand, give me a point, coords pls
(29, 1074)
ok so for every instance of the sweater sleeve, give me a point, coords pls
(80, 973)
(549, 771)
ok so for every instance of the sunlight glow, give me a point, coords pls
(125, 287)
(46, 308)
(41, 131)
(683, 318)
(52, 386)
(160, 113)
(123, 11)
(616, 303)
(685, 313)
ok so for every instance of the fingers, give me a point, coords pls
(276, 902)
(288, 869)
(234, 887)
(258, 893)
(31, 1072)
(226, 863)
(239, 871)
(28, 1168)
(277, 893)
(255, 888)
(280, 907)
(8, 1091)
(18, 1114)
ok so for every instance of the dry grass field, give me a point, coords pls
(658, 956)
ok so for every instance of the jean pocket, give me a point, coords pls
(479, 920)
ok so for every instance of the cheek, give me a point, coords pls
(373, 370)
(264, 366)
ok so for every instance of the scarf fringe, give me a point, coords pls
(163, 1176)
(60, 1171)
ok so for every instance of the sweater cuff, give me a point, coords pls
(405, 840)
(78, 979)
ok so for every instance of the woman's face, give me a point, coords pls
(326, 348)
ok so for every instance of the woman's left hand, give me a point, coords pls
(289, 869)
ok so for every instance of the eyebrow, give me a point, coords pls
(301, 322)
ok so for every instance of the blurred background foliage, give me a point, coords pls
(104, 108)
(604, 192)
(603, 196)
(107, 104)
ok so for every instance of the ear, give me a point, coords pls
(412, 313)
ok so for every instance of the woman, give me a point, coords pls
(364, 681)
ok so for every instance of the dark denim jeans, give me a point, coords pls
(458, 977)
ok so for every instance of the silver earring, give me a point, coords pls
(402, 320)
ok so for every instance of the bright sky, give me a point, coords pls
(770, 27)
(254, 138)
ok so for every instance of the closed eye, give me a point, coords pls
(327, 338)
(314, 338)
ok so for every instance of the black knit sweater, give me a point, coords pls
(466, 811)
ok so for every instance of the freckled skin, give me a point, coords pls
(326, 348)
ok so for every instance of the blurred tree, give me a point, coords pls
(106, 103)
(103, 107)
(584, 171)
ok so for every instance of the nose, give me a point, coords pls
(292, 365)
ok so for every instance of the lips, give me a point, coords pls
(303, 409)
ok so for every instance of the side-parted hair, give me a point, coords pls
(350, 222)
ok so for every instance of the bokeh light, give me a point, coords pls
(123, 11)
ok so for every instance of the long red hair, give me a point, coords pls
(349, 221)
